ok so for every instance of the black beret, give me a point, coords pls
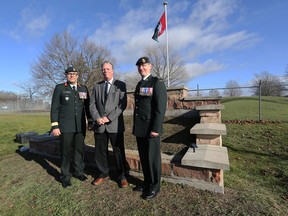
(70, 69)
(143, 60)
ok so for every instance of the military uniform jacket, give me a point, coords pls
(112, 108)
(70, 108)
(150, 106)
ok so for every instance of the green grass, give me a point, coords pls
(256, 184)
(247, 108)
(12, 123)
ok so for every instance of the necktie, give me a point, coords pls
(106, 90)
(106, 87)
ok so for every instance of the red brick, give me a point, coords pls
(133, 162)
(166, 169)
(216, 176)
(191, 172)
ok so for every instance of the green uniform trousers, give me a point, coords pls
(72, 155)
(150, 158)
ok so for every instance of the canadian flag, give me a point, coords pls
(160, 28)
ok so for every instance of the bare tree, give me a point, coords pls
(63, 51)
(131, 80)
(30, 90)
(7, 96)
(233, 89)
(286, 74)
(214, 93)
(177, 73)
(89, 62)
(286, 81)
(270, 85)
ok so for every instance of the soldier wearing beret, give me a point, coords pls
(69, 111)
(150, 107)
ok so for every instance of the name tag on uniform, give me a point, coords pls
(146, 91)
(82, 95)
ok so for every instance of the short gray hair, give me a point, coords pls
(107, 62)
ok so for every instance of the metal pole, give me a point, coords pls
(260, 100)
(167, 45)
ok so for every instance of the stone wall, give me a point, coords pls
(178, 98)
(202, 167)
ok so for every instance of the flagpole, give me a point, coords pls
(167, 45)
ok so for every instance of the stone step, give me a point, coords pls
(207, 156)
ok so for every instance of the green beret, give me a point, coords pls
(70, 69)
(143, 60)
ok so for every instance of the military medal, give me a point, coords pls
(82, 95)
(146, 91)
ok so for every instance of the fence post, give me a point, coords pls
(260, 101)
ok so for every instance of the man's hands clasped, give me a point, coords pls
(102, 121)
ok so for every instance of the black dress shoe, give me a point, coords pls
(149, 195)
(65, 184)
(138, 189)
(82, 178)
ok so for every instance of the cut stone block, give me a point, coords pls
(206, 139)
(203, 139)
(210, 107)
(207, 156)
(212, 116)
(209, 128)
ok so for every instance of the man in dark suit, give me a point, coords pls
(69, 110)
(150, 106)
(108, 101)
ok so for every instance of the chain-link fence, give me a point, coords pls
(239, 104)
(37, 105)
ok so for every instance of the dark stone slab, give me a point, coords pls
(24, 137)
(43, 137)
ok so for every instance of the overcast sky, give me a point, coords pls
(219, 40)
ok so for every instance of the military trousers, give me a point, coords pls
(150, 158)
(72, 155)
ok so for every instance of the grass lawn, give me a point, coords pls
(257, 183)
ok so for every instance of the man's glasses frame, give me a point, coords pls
(72, 74)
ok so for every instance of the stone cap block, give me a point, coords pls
(210, 107)
(201, 98)
(207, 156)
(209, 129)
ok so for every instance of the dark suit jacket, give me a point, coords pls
(149, 110)
(68, 110)
(113, 107)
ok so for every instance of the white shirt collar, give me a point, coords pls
(74, 85)
(144, 78)
(110, 81)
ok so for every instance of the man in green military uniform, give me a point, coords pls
(69, 111)
(149, 112)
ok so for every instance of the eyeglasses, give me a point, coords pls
(144, 65)
(72, 74)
